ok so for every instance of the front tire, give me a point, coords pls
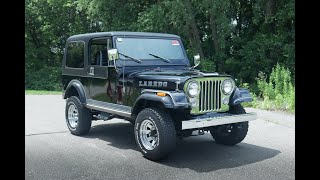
(155, 133)
(231, 134)
(78, 117)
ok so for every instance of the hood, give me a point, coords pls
(166, 79)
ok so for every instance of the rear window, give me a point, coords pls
(75, 55)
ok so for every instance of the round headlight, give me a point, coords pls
(227, 86)
(193, 89)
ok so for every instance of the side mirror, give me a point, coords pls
(113, 54)
(196, 60)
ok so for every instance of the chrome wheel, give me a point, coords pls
(73, 115)
(149, 134)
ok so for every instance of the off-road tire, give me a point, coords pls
(238, 131)
(84, 117)
(166, 133)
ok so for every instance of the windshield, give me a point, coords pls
(141, 48)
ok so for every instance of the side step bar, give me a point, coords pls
(117, 109)
(215, 119)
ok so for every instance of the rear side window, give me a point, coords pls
(75, 55)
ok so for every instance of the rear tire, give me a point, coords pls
(78, 117)
(155, 133)
(231, 134)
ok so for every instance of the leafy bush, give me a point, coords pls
(207, 64)
(276, 93)
(47, 78)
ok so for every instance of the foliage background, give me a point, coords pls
(244, 38)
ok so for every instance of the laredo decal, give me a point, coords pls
(153, 83)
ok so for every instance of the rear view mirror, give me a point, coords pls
(113, 54)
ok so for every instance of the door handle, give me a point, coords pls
(91, 71)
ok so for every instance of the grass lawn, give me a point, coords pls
(41, 92)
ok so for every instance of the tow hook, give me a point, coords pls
(201, 132)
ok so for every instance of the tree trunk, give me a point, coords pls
(216, 44)
(191, 39)
(190, 20)
(270, 6)
(214, 35)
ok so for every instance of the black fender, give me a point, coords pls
(80, 89)
(172, 100)
(240, 95)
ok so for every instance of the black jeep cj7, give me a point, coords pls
(146, 78)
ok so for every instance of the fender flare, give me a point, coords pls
(79, 87)
(240, 95)
(165, 100)
(171, 101)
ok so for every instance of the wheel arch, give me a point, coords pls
(148, 100)
(75, 88)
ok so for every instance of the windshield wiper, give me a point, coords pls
(135, 59)
(162, 58)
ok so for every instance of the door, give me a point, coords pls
(100, 85)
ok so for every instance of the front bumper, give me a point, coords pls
(215, 119)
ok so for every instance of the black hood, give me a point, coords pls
(166, 78)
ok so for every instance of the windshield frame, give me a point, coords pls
(152, 61)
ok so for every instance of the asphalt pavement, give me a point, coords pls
(109, 150)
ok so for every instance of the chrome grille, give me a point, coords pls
(210, 95)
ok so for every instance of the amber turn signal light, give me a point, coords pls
(161, 94)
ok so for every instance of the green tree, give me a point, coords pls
(48, 23)
(239, 37)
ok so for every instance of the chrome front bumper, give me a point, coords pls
(215, 119)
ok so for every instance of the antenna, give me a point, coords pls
(123, 87)
(124, 65)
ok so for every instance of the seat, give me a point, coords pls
(104, 58)
(99, 58)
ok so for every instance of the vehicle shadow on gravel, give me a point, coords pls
(199, 153)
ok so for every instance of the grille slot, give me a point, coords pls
(210, 95)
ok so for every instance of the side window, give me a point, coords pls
(99, 51)
(75, 55)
